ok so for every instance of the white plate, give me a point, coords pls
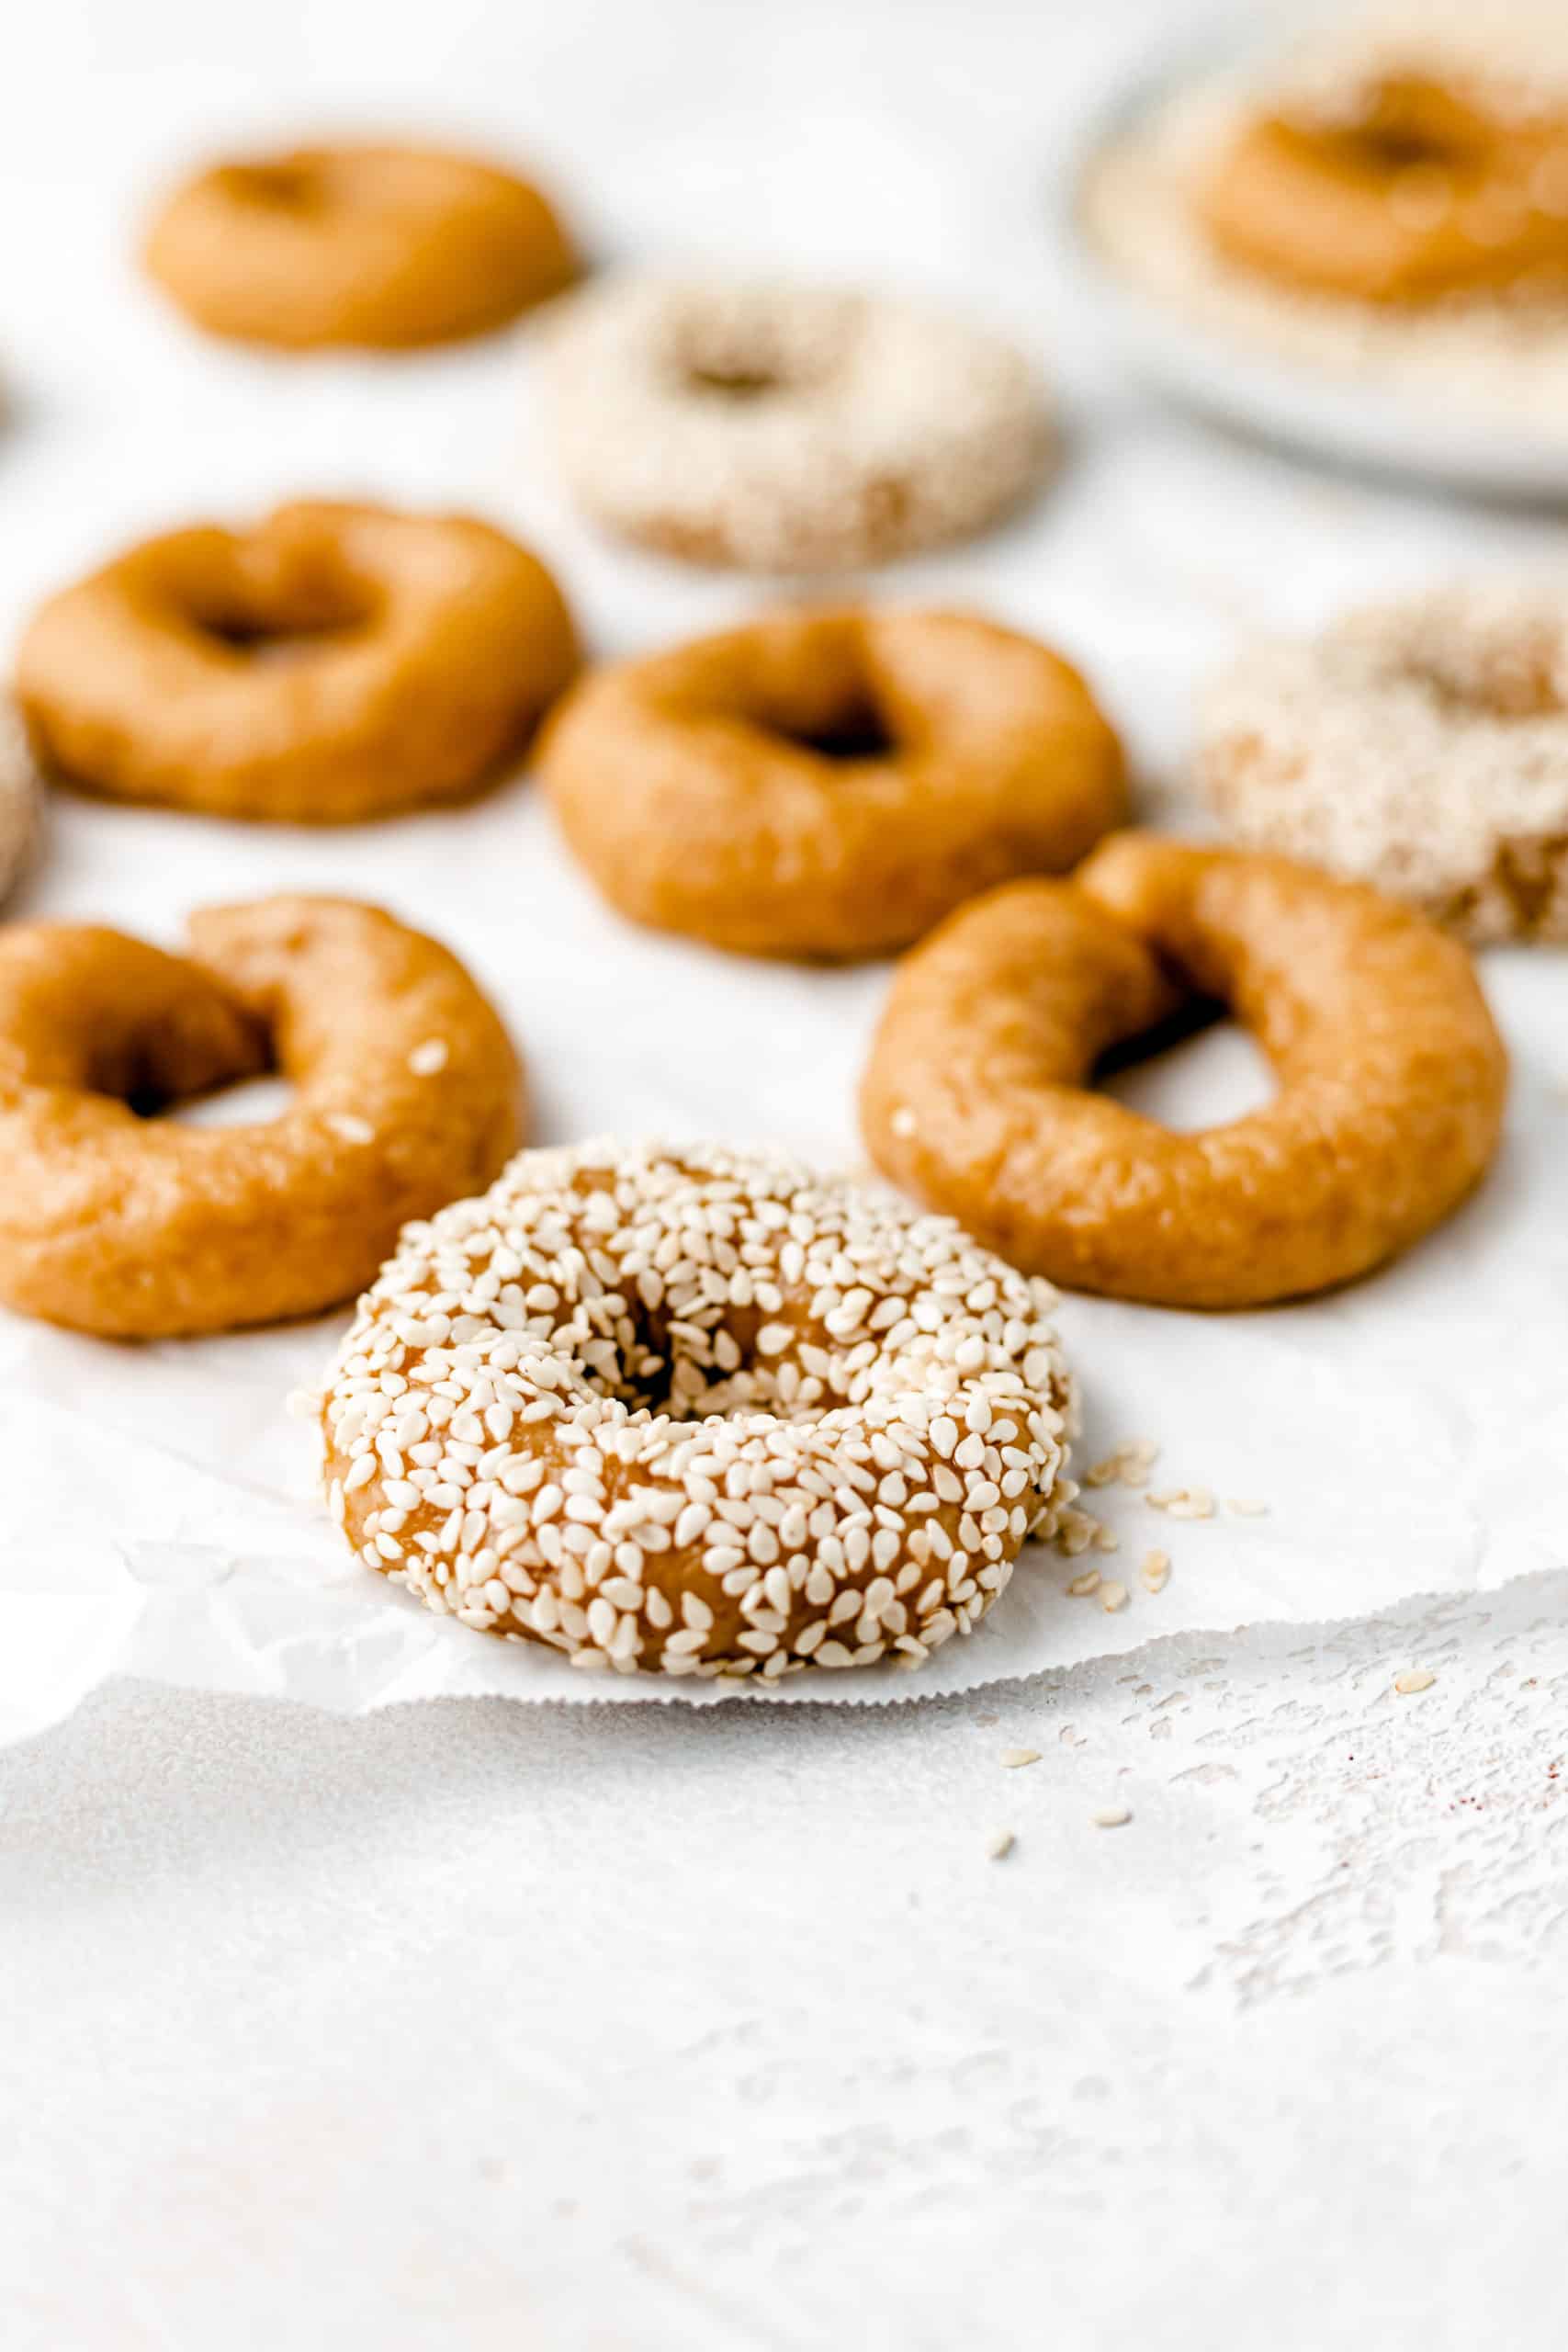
(1350, 418)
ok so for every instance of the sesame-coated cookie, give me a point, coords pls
(1391, 1077)
(783, 427)
(112, 1220)
(696, 1412)
(1420, 746)
(830, 783)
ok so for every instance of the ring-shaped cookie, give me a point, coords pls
(1391, 1077)
(335, 663)
(699, 1413)
(375, 246)
(408, 1093)
(1416, 191)
(21, 796)
(782, 427)
(1420, 746)
(830, 783)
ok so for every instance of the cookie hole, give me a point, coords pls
(249, 1102)
(330, 618)
(1388, 151)
(733, 383)
(278, 187)
(857, 732)
(1198, 1070)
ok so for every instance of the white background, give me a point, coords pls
(479, 2026)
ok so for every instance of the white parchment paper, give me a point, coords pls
(1409, 1435)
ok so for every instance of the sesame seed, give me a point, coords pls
(1085, 1583)
(428, 1057)
(1414, 1678)
(1244, 1507)
(999, 1844)
(1156, 1570)
(1112, 1595)
(351, 1128)
(1013, 1758)
(1111, 1816)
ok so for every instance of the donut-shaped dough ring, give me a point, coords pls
(782, 427)
(408, 1092)
(335, 663)
(698, 1413)
(21, 796)
(1421, 192)
(830, 783)
(1391, 1077)
(378, 247)
(1421, 747)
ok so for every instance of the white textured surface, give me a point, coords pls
(477, 2026)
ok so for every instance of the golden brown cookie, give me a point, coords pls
(699, 1413)
(379, 246)
(1391, 1075)
(408, 1093)
(333, 663)
(830, 783)
(1400, 179)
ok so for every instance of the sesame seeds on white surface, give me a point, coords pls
(1421, 746)
(697, 1412)
(1413, 1681)
(783, 426)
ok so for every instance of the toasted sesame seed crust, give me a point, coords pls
(780, 426)
(1421, 746)
(697, 1412)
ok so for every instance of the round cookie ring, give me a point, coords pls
(783, 427)
(376, 247)
(830, 783)
(1422, 747)
(697, 1413)
(335, 663)
(1403, 188)
(408, 1093)
(21, 797)
(1391, 1077)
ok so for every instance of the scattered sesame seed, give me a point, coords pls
(1111, 1816)
(351, 1128)
(428, 1057)
(1012, 1757)
(999, 1844)
(903, 1122)
(1245, 1507)
(1084, 1583)
(1112, 1595)
(1414, 1678)
(1156, 1570)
